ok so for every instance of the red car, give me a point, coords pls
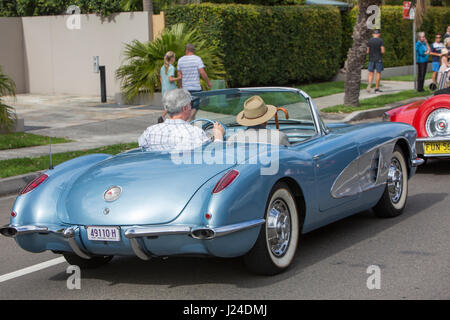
(431, 118)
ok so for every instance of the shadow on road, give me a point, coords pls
(314, 247)
(435, 166)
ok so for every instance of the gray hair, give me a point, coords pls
(174, 100)
(190, 47)
(420, 34)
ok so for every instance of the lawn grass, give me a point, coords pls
(321, 89)
(408, 77)
(13, 167)
(21, 140)
(377, 102)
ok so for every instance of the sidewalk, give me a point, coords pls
(388, 87)
(85, 120)
(82, 119)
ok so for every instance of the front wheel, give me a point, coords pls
(393, 200)
(276, 245)
(94, 262)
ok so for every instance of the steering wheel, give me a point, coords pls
(208, 123)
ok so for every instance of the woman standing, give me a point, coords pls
(422, 51)
(444, 65)
(167, 77)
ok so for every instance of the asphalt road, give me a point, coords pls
(412, 252)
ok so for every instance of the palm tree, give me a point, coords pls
(143, 61)
(7, 115)
(147, 6)
(421, 9)
(357, 53)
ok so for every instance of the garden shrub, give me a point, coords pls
(269, 45)
(397, 32)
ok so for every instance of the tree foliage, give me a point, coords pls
(265, 45)
(143, 61)
(7, 115)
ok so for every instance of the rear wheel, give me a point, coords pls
(394, 197)
(94, 262)
(276, 245)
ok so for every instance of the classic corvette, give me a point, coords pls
(431, 118)
(250, 199)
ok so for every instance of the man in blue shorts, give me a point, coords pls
(436, 48)
(375, 50)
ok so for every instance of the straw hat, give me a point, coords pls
(255, 112)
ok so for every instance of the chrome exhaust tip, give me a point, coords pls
(203, 233)
(8, 231)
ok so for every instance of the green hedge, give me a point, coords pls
(397, 32)
(269, 45)
(260, 2)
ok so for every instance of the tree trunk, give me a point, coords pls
(357, 53)
(147, 6)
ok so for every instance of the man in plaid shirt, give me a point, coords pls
(175, 133)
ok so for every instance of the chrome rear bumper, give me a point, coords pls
(135, 233)
(196, 232)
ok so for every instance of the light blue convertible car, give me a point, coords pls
(225, 199)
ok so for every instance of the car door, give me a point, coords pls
(335, 160)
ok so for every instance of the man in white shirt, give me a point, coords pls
(190, 67)
(175, 133)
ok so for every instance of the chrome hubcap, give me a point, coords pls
(278, 226)
(395, 180)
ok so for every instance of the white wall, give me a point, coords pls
(12, 51)
(60, 61)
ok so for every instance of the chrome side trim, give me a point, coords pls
(69, 234)
(356, 177)
(226, 230)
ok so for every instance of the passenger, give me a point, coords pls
(255, 116)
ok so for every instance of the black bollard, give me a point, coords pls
(103, 82)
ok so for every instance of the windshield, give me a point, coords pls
(224, 105)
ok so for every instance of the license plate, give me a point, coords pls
(103, 233)
(438, 147)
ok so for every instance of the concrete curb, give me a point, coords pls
(13, 185)
(367, 114)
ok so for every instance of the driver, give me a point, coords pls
(175, 134)
(255, 116)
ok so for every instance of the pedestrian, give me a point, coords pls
(447, 43)
(447, 34)
(167, 77)
(375, 50)
(444, 65)
(422, 52)
(190, 69)
(436, 48)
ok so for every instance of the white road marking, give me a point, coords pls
(31, 269)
